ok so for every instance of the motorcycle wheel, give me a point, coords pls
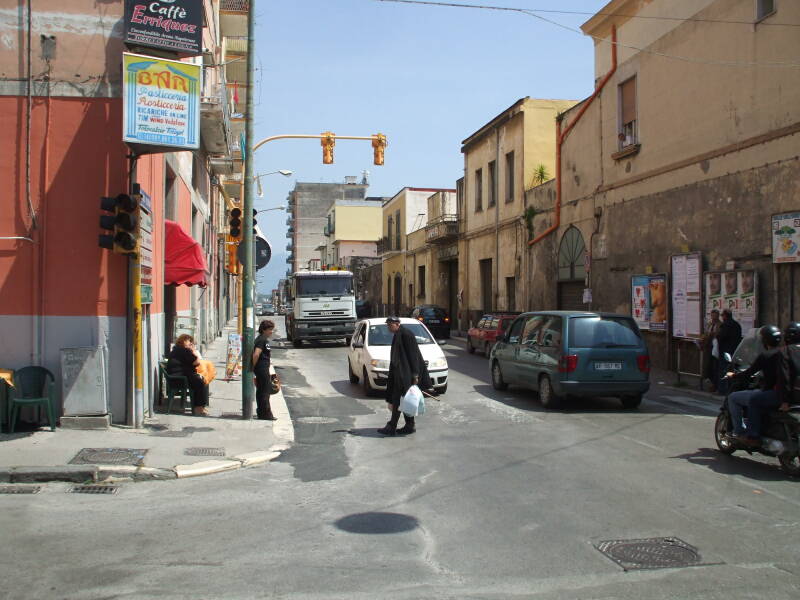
(721, 431)
(790, 463)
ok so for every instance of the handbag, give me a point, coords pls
(275, 384)
(410, 402)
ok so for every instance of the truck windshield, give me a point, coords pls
(325, 286)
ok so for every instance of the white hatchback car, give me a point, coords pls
(368, 354)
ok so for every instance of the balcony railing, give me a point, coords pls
(442, 229)
(235, 5)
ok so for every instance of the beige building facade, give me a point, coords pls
(501, 161)
(353, 229)
(689, 145)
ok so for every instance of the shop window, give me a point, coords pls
(478, 190)
(492, 184)
(764, 8)
(628, 126)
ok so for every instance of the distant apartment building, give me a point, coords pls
(353, 229)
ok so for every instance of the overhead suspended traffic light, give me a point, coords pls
(328, 141)
(378, 146)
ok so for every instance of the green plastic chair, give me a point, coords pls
(33, 386)
(176, 384)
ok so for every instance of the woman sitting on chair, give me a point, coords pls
(184, 360)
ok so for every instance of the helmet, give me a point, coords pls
(791, 335)
(770, 336)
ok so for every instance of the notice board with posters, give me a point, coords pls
(649, 301)
(735, 290)
(172, 25)
(786, 238)
(687, 295)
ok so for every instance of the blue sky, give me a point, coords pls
(425, 76)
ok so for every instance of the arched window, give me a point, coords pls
(571, 256)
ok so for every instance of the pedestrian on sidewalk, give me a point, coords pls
(406, 368)
(262, 354)
(183, 360)
(710, 346)
(728, 338)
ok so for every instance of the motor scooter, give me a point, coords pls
(781, 430)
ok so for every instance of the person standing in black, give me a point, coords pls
(729, 335)
(261, 360)
(406, 368)
(183, 360)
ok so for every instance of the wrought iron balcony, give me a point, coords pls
(442, 230)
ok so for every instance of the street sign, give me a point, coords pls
(145, 233)
(262, 253)
(147, 294)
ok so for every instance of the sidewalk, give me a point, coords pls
(169, 446)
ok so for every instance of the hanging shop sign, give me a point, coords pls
(174, 25)
(687, 296)
(786, 238)
(735, 290)
(649, 301)
(161, 102)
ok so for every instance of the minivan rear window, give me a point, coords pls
(432, 313)
(603, 332)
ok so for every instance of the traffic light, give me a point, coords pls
(124, 223)
(255, 212)
(328, 141)
(232, 261)
(235, 223)
(378, 145)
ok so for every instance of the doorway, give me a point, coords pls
(571, 270)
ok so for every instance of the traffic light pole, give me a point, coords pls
(248, 268)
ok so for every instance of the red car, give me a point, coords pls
(483, 336)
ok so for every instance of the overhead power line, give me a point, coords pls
(690, 59)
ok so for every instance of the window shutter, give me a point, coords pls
(628, 100)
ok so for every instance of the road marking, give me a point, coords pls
(641, 443)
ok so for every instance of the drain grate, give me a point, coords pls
(94, 489)
(650, 553)
(200, 451)
(20, 489)
(316, 420)
(109, 456)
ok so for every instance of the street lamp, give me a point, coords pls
(283, 172)
(281, 207)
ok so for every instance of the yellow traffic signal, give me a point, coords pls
(378, 145)
(231, 260)
(328, 141)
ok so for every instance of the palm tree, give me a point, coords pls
(540, 175)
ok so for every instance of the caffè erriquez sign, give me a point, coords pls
(175, 25)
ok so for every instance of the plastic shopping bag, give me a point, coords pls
(410, 402)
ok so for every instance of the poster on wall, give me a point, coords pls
(687, 295)
(786, 238)
(735, 290)
(649, 301)
(174, 25)
(161, 101)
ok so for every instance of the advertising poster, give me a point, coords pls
(786, 238)
(175, 25)
(686, 295)
(735, 290)
(640, 300)
(658, 302)
(161, 102)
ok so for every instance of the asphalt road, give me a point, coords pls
(493, 497)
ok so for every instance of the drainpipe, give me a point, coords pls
(561, 136)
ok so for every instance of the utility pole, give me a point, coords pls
(248, 268)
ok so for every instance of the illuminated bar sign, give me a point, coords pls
(161, 101)
(175, 25)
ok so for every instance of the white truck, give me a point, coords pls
(323, 306)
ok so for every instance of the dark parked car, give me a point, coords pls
(491, 326)
(566, 353)
(435, 318)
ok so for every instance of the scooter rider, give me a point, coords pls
(773, 393)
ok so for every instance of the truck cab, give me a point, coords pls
(323, 306)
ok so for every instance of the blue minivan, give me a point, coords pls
(568, 353)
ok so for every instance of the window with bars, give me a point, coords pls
(492, 184)
(510, 176)
(628, 125)
(478, 190)
(397, 230)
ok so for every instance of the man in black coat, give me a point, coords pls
(729, 335)
(406, 368)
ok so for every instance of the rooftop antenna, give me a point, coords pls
(365, 177)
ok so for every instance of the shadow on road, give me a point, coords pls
(740, 464)
(367, 432)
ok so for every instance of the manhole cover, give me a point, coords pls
(204, 451)
(316, 420)
(20, 489)
(650, 553)
(94, 489)
(109, 456)
(171, 434)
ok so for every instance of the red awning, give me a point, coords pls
(184, 262)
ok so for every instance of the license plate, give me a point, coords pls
(434, 321)
(326, 313)
(327, 329)
(608, 366)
